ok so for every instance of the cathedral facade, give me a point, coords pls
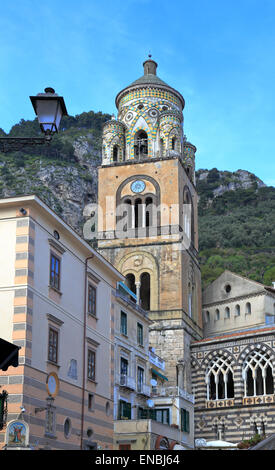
(149, 230)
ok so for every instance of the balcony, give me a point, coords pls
(172, 392)
(144, 389)
(156, 360)
(126, 381)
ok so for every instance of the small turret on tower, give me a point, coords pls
(189, 151)
(150, 66)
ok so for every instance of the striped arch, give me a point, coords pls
(174, 134)
(258, 370)
(195, 365)
(213, 354)
(132, 140)
(112, 143)
(251, 347)
(219, 375)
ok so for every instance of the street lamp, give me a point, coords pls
(49, 108)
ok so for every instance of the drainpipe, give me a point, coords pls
(84, 353)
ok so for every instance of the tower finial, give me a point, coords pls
(150, 66)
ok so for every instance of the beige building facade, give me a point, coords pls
(57, 301)
(148, 414)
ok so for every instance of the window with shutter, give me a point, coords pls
(124, 410)
(185, 424)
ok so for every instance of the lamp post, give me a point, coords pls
(49, 108)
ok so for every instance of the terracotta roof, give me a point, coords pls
(240, 333)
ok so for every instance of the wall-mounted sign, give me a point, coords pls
(52, 384)
(17, 434)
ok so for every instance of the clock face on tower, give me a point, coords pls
(138, 186)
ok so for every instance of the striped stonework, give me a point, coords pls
(240, 417)
(23, 295)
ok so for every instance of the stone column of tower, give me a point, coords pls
(148, 198)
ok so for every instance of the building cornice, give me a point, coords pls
(235, 299)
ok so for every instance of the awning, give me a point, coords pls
(8, 354)
(154, 371)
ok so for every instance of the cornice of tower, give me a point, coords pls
(188, 144)
(114, 122)
(172, 113)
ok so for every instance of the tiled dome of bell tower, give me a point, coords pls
(149, 123)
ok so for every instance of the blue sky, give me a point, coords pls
(218, 54)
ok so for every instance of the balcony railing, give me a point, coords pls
(172, 392)
(156, 360)
(126, 381)
(144, 389)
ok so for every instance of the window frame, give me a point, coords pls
(93, 365)
(91, 399)
(124, 406)
(185, 420)
(140, 335)
(56, 347)
(93, 301)
(257, 360)
(162, 411)
(123, 327)
(126, 362)
(140, 374)
(56, 275)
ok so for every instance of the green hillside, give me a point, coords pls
(237, 231)
(236, 210)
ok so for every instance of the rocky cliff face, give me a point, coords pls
(214, 182)
(65, 186)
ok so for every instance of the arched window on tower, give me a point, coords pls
(138, 213)
(127, 215)
(188, 215)
(148, 212)
(258, 374)
(161, 148)
(141, 144)
(131, 282)
(115, 153)
(219, 379)
(191, 299)
(145, 293)
(173, 143)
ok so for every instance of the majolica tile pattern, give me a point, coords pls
(159, 114)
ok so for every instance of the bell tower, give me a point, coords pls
(148, 214)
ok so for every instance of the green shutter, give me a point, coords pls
(140, 334)
(123, 323)
(152, 414)
(124, 410)
(142, 413)
(128, 410)
(185, 421)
